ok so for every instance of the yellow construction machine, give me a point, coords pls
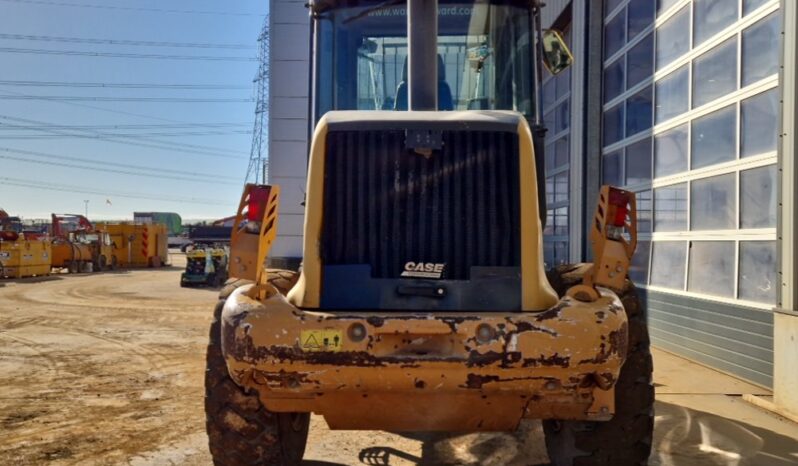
(79, 246)
(423, 303)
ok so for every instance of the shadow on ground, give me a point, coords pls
(28, 280)
(682, 437)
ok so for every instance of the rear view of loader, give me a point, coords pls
(423, 303)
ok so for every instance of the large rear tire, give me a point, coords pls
(626, 439)
(241, 431)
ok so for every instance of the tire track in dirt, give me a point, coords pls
(52, 362)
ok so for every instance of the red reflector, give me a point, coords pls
(619, 200)
(258, 197)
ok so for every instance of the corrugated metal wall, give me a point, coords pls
(733, 339)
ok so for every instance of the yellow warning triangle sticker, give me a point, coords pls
(311, 342)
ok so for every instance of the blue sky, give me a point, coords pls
(32, 140)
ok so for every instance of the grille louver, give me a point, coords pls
(385, 205)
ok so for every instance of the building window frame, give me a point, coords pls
(737, 235)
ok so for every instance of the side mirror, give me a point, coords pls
(556, 55)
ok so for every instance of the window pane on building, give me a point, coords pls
(758, 197)
(644, 205)
(638, 162)
(672, 95)
(638, 112)
(561, 187)
(548, 120)
(758, 278)
(761, 49)
(561, 152)
(713, 138)
(641, 15)
(638, 269)
(549, 92)
(549, 156)
(667, 264)
(670, 152)
(613, 80)
(670, 208)
(711, 269)
(711, 17)
(549, 230)
(562, 119)
(611, 169)
(563, 82)
(751, 5)
(639, 61)
(663, 5)
(760, 123)
(715, 73)
(611, 5)
(561, 221)
(713, 203)
(614, 34)
(673, 38)
(613, 125)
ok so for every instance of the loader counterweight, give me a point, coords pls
(540, 365)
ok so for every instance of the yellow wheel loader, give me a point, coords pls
(423, 303)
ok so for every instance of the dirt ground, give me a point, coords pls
(108, 369)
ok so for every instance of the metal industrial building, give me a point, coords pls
(690, 104)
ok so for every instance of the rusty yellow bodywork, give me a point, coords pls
(433, 371)
(25, 258)
(138, 244)
(419, 371)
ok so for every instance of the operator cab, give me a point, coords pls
(485, 56)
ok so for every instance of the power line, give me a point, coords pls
(70, 98)
(104, 135)
(127, 126)
(156, 170)
(130, 8)
(153, 56)
(154, 143)
(123, 85)
(83, 190)
(111, 170)
(94, 107)
(134, 43)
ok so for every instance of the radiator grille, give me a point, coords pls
(385, 205)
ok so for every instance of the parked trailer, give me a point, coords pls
(21, 257)
(139, 244)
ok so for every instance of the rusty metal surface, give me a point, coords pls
(412, 366)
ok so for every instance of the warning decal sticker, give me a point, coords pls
(321, 340)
